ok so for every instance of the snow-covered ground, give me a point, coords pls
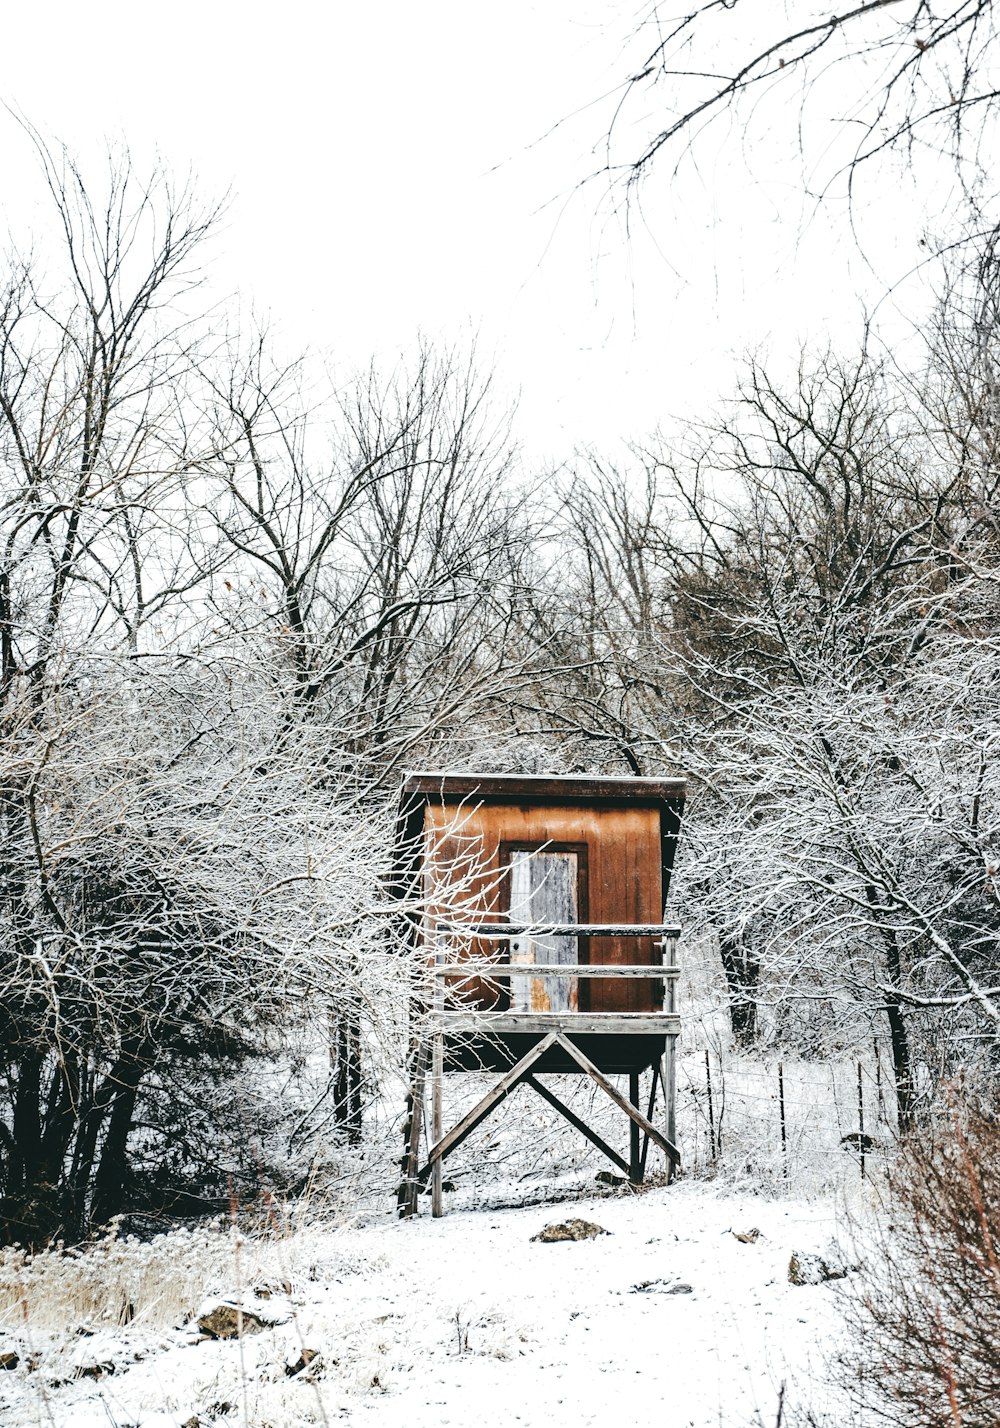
(465, 1319)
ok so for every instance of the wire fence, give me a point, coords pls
(785, 1120)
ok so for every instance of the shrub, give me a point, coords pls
(927, 1322)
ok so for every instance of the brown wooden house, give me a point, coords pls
(564, 879)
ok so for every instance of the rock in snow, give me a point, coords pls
(225, 1318)
(819, 1268)
(297, 1363)
(98, 1356)
(660, 1286)
(569, 1230)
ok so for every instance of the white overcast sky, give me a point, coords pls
(390, 174)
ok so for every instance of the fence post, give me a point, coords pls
(861, 1121)
(781, 1112)
(711, 1112)
(880, 1111)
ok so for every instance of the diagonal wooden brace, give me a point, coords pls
(578, 1124)
(649, 1116)
(633, 1112)
(507, 1083)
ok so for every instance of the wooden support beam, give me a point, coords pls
(507, 1083)
(634, 1161)
(576, 1122)
(649, 1116)
(615, 1095)
(484, 1023)
(501, 931)
(406, 1199)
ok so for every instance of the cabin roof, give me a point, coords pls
(563, 788)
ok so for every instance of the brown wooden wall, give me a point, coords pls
(463, 879)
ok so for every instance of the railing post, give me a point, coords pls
(669, 945)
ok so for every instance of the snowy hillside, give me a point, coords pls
(438, 1321)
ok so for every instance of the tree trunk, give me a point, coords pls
(742, 971)
(111, 1179)
(347, 1074)
(899, 1041)
(115, 1094)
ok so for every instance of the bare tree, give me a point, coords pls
(374, 543)
(925, 1348)
(370, 546)
(179, 887)
(592, 618)
(898, 75)
(810, 633)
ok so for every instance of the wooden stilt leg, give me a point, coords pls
(406, 1200)
(668, 1074)
(669, 1064)
(634, 1159)
(437, 1080)
(650, 1107)
(437, 1095)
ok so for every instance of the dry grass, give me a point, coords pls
(114, 1281)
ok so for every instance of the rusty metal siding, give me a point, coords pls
(624, 883)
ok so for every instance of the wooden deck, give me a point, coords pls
(507, 1023)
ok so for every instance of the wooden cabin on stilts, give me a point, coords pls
(540, 913)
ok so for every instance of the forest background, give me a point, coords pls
(240, 593)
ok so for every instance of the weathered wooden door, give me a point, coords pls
(543, 891)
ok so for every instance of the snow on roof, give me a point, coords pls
(576, 786)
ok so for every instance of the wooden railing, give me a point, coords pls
(495, 973)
